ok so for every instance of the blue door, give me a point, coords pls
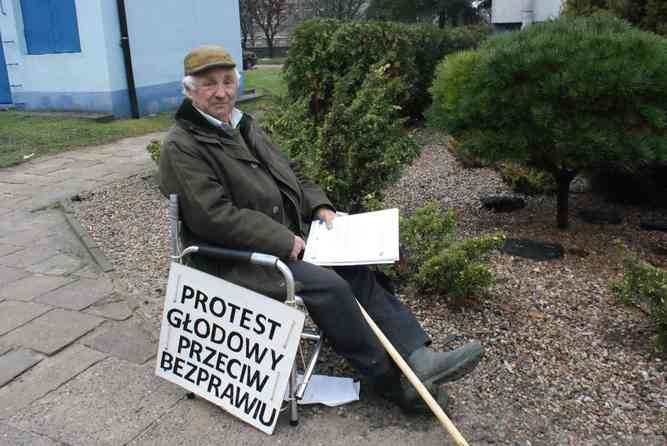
(5, 94)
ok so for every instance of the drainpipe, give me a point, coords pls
(127, 57)
(527, 13)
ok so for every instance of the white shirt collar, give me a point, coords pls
(235, 119)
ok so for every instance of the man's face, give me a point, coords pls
(215, 92)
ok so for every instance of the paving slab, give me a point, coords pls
(15, 362)
(9, 275)
(44, 167)
(6, 249)
(28, 257)
(111, 307)
(10, 436)
(124, 340)
(14, 314)
(29, 286)
(89, 272)
(78, 295)
(4, 348)
(109, 404)
(60, 264)
(198, 422)
(52, 331)
(45, 377)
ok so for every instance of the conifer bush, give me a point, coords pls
(563, 96)
(437, 261)
(153, 149)
(351, 87)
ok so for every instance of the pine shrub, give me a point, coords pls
(436, 261)
(564, 96)
(153, 149)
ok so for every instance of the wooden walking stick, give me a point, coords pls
(414, 380)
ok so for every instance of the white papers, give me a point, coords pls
(360, 239)
(331, 391)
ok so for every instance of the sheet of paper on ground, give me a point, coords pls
(331, 391)
(227, 344)
(360, 239)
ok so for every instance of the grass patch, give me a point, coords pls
(24, 133)
(266, 80)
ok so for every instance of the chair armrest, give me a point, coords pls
(223, 253)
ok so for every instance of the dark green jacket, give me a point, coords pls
(236, 190)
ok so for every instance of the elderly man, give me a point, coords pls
(238, 190)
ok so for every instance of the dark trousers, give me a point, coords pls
(329, 296)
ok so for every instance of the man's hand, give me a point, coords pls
(326, 215)
(298, 246)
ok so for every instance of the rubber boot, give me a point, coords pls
(434, 367)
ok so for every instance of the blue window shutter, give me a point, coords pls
(37, 26)
(50, 26)
(65, 26)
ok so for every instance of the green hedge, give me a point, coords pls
(351, 87)
(330, 58)
(359, 147)
(650, 15)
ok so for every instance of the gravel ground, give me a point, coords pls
(565, 362)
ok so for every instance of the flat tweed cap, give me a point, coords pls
(206, 57)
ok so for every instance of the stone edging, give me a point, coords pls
(81, 233)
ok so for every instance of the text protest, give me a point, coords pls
(228, 344)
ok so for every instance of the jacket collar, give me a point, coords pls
(189, 118)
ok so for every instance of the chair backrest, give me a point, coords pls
(174, 227)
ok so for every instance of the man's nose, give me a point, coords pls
(221, 91)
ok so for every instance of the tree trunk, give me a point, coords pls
(563, 180)
(269, 43)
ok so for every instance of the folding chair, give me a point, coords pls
(296, 391)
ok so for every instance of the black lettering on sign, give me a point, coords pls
(183, 343)
(256, 352)
(188, 293)
(275, 359)
(255, 379)
(274, 326)
(174, 317)
(214, 383)
(178, 365)
(214, 304)
(166, 360)
(261, 328)
(210, 354)
(201, 299)
(189, 376)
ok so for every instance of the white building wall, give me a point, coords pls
(161, 34)
(65, 81)
(510, 11)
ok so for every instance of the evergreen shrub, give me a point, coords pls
(564, 97)
(358, 149)
(330, 58)
(436, 261)
(646, 285)
(351, 87)
(153, 149)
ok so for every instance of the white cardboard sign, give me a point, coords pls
(228, 344)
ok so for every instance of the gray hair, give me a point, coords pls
(189, 83)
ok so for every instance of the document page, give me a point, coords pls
(360, 239)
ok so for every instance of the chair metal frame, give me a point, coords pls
(296, 391)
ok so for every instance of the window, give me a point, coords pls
(50, 26)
